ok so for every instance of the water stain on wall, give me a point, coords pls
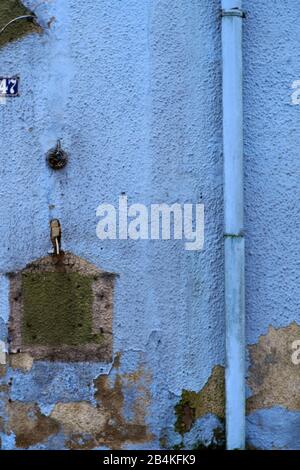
(9, 10)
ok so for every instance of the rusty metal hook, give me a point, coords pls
(55, 235)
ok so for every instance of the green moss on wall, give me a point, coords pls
(10, 9)
(185, 411)
(57, 309)
(194, 405)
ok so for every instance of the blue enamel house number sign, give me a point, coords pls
(9, 87)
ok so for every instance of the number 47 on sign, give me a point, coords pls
(9, 87)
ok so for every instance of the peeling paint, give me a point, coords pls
(273, 378)
(126, 148)
(86, 425)
(210, 399)
(81, 442)
(22, 361)
(9, 10)
(147, 111)
(28, 424)
(119, 430)
(80, 417)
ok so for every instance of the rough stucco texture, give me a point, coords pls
(146, 121)
(272, 192)
(137, 103)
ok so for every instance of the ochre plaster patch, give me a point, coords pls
(22, 361)
(273, 378)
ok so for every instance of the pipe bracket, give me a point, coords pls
(234, 235)
(233, 12)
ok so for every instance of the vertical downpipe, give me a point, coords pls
(232, 18)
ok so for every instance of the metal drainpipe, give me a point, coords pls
(232, 18)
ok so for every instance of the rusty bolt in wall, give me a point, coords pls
(57, 158)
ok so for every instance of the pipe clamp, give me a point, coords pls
(233, 12)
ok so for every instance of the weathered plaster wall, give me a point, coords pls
(272, 191)
(134, 90)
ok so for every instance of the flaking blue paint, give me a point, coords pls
(272, 191)
(203, 432)
(48, 383)
(274, 428)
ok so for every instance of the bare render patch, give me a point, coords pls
(62, 309)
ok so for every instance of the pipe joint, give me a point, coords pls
(233, 12)
(234, 235)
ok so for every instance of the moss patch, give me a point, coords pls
(194, 405)
(10, 9)
(61, 309)
(57, 309)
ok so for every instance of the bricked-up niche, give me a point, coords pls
(62, 309)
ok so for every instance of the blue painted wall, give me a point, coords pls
(272, 190)
(134, 90)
